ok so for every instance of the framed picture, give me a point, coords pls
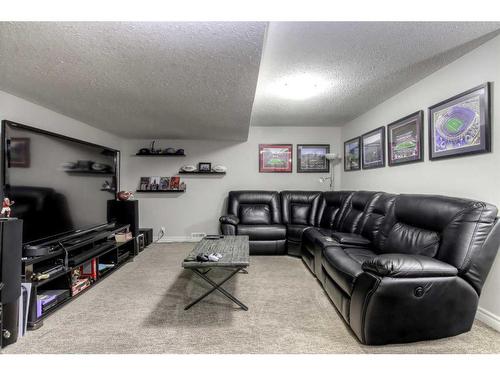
(275, 158)
(373, 149)
(19, 153)
(204, 167)
(461, 125)
(312, 159)
(405, 142)
(352, 155)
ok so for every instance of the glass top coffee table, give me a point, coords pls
(235, 258)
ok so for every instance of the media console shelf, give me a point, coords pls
(97, 250)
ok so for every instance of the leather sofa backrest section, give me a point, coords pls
(255, 206)
(300, 207)
(355, 209)
(452, 230)
(374, 216)
(331, 206)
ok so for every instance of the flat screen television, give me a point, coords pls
(59, 185)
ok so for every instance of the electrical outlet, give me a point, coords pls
(198, 235)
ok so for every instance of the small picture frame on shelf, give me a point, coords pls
(204, 167)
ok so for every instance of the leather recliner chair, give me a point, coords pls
(256, 214)
(300, 211)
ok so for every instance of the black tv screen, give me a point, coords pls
(58, 184)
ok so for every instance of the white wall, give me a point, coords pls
(476, 177)
(198, 209)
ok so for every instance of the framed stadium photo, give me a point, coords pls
(461, 125)
(352, 155)
(373, 149)
(405, 139)
(275, 158)
(312, 159)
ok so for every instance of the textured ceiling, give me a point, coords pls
(354, 66)
(147, 80)
(199, 80)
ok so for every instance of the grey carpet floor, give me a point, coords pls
(139, 309)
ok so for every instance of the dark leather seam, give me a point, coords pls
(366, 301)
(467, 255)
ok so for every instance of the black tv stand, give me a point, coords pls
(54, 272)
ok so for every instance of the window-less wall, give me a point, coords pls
(476, 177)
(198, 209)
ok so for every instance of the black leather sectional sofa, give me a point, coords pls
(399, 268)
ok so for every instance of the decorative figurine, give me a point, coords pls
(124, 195)
(6, 207)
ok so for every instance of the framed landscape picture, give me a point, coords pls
(275, 158)
(461, 125)
(352, 155)
(373, 149)
(312, 159)
(405, 139)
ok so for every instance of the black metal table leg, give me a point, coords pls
(217, 286)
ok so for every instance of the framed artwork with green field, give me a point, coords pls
(405, 139)
(275, 158)
(461, 125)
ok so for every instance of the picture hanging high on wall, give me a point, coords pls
(352, 155)
(312, 159)
(405, 139)
(373, 149)
(461, 125)
(275, 158)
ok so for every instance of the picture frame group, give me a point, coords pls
(157, 183)
(458, 126)
(278, 158)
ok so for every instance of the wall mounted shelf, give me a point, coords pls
(204, 173)
(88, 172)
(160, 191)
(160, 155)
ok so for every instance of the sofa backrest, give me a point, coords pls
(299, 207)
(452, 230)
(375, 213)
(355, 207)
(255, 206)
(331, 206)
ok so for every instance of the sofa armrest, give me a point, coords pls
(406, 265)
(229, 219)
(350, 239)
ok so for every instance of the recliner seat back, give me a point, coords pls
(374, 216)
(255, 207)
(452, 230)
(300, 207)
(355, 208)
(331, 206)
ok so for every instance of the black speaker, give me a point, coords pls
(125, 212)
(11, 237)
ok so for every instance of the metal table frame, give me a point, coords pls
(218, 286)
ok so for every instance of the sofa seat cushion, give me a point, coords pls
(262, 232)
(345, 265)
(295, 232)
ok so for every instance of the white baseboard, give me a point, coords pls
(169, 239)
(488, 318)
